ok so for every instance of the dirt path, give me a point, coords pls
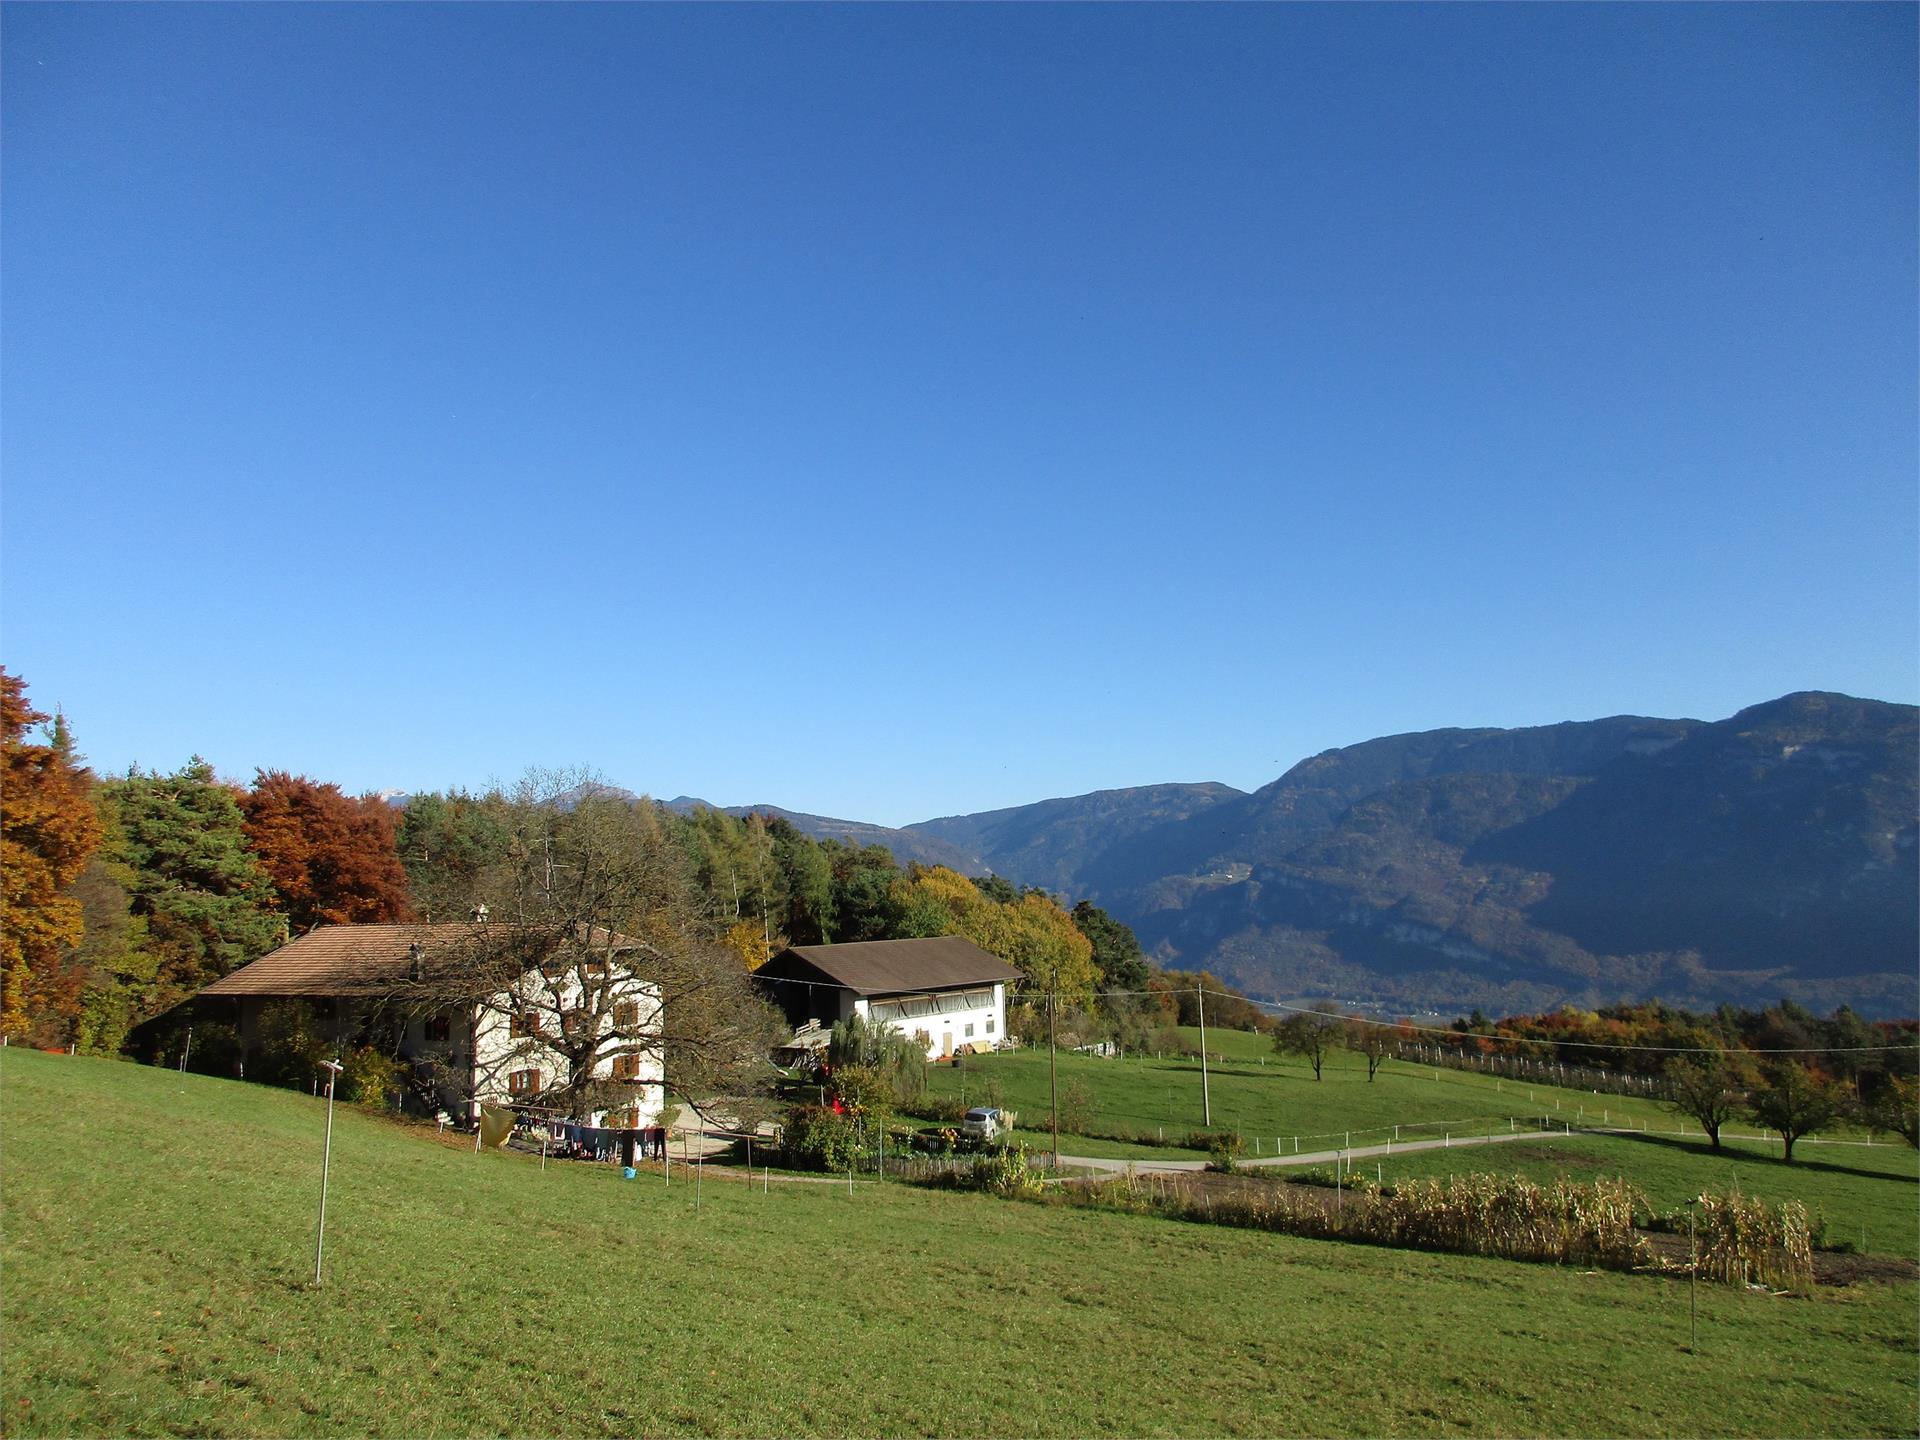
(1315, 1157)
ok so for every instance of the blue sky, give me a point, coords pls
(897, 411)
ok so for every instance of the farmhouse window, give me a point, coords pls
(523, 1082)
(969, 1031)
(438, 1030)
(626, 1067)
(626, 1015)
(989, 1025)
(523, 1027)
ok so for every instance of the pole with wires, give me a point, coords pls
(1206, 1091)
(1053, 1064)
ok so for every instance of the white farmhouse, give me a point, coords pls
(946, 992)
(505, 1047)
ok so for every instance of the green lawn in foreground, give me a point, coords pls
(1858, 1187)
(157, 1242)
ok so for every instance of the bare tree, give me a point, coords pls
(594, 967)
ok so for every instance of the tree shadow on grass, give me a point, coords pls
(1772, 1165)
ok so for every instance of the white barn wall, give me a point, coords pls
(949, 1029)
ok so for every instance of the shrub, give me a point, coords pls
(1076, 1106)
(1207, 1139)
(866, 1090)
(1007, 1173)
(816, 1138)
(292, 1044)
(1224, 1148)
(367, 1077)
(892, 1054)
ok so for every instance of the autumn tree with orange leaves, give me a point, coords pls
(48, 831)
(332, 858)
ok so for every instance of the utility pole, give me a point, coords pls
(1206, 1092)
(1053, 1063)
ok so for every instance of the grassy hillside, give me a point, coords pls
(158, 1243)
(1276, 1097)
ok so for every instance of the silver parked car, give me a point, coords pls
(983, 1122)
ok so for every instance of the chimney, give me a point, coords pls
(416, 952)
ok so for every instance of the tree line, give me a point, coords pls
(123, 895)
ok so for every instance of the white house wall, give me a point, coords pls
(497, 1053)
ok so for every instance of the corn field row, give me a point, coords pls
(1739, 1240)
(1592, 1223)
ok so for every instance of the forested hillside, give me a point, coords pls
(126, 894)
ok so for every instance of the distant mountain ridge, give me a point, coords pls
(1769, 854)
(1052, 843)
(907, 845)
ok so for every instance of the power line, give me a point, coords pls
(1404, 1025)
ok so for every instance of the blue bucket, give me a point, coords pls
(628, 1172)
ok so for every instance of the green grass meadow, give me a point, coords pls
(1274, 1099)
(156, 1232)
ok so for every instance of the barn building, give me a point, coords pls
(946, 992)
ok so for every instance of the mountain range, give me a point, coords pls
(1767, 855)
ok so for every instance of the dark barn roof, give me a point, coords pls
(359, 959)
(893, 967)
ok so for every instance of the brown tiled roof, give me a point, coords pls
(897, 967)
(352, 959)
